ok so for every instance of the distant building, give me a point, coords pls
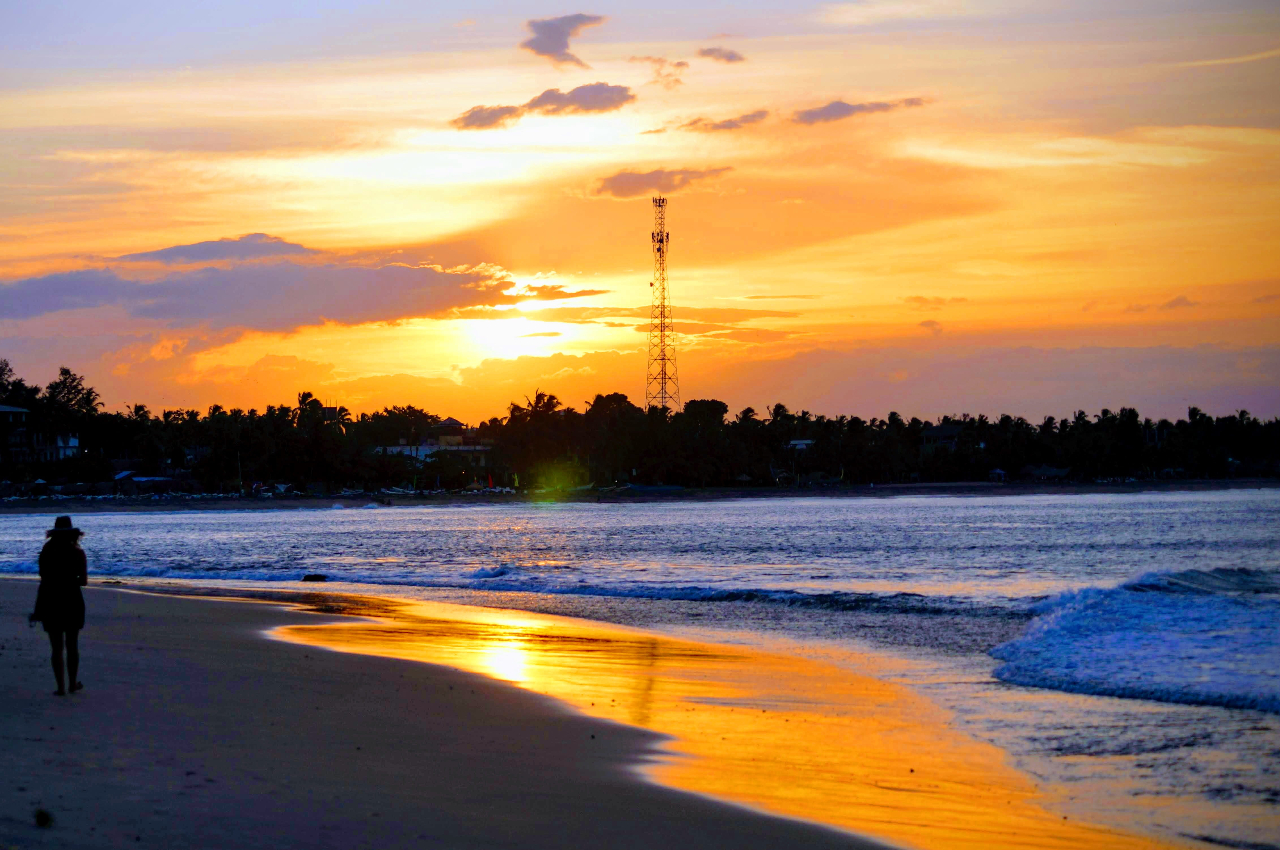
(56, 446)
(448, 438)
(940, 438)
(19, 443)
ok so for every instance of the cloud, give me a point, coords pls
(551, 37)
(277, 296)
(25, 299)
(1178, 303)
(556, 292)
(251, 247)
(752, 335)
(1267, 299)
(920, 302)
(838, 109)
(689, 328)
(543, 333)
(593, 97)
(1232, 60)
(721, 54)
(485, 117)
(591, 315)
(868, 12)
(665, 72)
(931, 326)
(779, 297)
(629, 184)
(702, 125)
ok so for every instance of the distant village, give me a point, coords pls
(57, 442)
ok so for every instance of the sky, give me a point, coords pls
(928, 206)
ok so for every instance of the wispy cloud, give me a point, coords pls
(593, 97)
(666, 73)
(931, 326)
(1178, 303)
(1231, 60)
(722, 54)
(838, 109)
(921, 302)
(541, 334)
(487, 117)
(551, 37)
(704, 125)
(251, 247)
(868, 12)
(1267, 299)
(629, 184)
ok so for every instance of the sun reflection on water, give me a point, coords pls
(784, 734)
(506, 661)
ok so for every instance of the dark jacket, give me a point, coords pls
(63, 571)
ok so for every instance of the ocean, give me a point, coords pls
(1123, 649)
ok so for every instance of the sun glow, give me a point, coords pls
(506, 660)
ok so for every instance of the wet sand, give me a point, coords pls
(195, 730)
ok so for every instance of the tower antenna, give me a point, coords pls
(662, 387)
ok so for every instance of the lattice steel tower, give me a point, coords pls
(662, 387)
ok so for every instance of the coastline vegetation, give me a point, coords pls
(543, 444)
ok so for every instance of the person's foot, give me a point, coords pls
(78, 686)
(59, 693)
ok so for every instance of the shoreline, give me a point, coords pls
(695, 691)
(91, 504)
(196, 730)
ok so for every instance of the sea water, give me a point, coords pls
(1125, 649)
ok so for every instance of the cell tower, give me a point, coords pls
(662, 387)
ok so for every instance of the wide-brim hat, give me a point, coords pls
(62, 526)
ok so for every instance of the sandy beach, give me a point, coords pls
(197, 729)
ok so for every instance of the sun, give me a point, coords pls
(511, 338)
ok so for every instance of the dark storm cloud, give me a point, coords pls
(703, 125)
(721, 54)
(593, 97)
(551, 37)
(629, 184)
(838, 109)
(251, 247)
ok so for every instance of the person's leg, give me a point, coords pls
(55, 644)
(73, 660)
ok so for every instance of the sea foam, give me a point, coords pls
(1195, 637)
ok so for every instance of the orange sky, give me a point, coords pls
(912, 205)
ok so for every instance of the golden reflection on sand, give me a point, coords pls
(784, 734)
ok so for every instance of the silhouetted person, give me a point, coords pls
(59, 603)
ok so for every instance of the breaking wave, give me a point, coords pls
(1195, 637)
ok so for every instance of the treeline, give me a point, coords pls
(543, 444)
